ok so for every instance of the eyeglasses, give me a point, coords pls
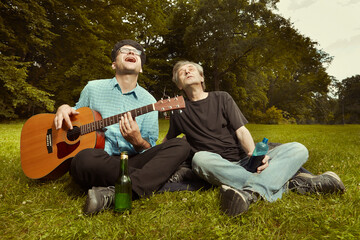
(127, 50)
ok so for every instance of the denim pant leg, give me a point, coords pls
(270, 184)
(216, 170)
(285, 161)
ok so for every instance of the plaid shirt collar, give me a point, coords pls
(134, 91)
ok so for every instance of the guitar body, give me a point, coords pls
(46, 153)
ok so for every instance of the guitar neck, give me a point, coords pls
(100, 124)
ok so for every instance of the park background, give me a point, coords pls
(50, 49)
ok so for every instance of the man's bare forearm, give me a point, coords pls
(246, 140)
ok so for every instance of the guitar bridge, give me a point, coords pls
(49, 144)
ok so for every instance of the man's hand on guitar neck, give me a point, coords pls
(63, 113)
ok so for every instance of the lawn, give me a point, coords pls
(53, 210)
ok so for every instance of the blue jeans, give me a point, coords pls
(285, 161)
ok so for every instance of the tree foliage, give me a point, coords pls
(25, 38)
(51, 48)
(349, 99)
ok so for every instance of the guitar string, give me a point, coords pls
(77, 131)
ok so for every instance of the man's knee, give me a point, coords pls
(301, 150)
(180, 144)
(200, 160)
(82, 161)
(298, 150)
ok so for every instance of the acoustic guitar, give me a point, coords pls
(46, 153)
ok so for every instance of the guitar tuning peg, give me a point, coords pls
(172, 112)
(180, 111)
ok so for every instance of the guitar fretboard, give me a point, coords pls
(97, 125)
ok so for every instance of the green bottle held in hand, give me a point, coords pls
(123, 190)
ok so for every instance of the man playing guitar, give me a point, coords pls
(150, 166)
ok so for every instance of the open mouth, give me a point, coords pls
(130, 59)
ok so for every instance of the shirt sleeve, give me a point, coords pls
(233, 113)
(150, 128)
(84, 100)
(173, 131)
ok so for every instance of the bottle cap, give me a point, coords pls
(124, 155)
(265, 140)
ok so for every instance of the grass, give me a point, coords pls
(53, 210)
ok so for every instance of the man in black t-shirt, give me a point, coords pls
(215, 128)
(206, 135)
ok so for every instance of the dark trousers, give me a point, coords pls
(148, 171)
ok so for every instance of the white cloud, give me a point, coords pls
(346, 62)
(353, 43)
(349, 2)
(298, 4)
(334, 25)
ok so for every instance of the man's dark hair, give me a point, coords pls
(132, 43)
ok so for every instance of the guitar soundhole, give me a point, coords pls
(73, 134)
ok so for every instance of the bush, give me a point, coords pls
(272, 115)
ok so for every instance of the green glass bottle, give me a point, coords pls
(123, 190)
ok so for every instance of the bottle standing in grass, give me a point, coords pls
(258, 155)
(123, 190)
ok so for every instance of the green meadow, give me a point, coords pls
(32, 209)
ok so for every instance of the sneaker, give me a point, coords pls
(184, 173)
(98, 199)
(234, 202)
(327, 182)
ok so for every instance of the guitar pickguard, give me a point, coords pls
(65, 149)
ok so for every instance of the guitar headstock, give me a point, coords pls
(170, 104)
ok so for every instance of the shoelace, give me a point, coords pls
(313, 185)
(107, 201)
(299, 183)
(174, 178)
(108, 198)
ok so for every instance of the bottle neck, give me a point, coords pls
(123, 166)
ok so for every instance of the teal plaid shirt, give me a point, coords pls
(105, 96)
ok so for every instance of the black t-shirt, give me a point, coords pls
(210, 124)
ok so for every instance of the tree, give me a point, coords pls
(52, 48)
(26, 35)
(298, 73)
(349, 99)
(88, 31)
(254, 54)
(226, 38)
(56, 47)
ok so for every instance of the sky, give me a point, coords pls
(334, 24)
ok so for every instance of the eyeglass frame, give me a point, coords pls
(126, 50)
